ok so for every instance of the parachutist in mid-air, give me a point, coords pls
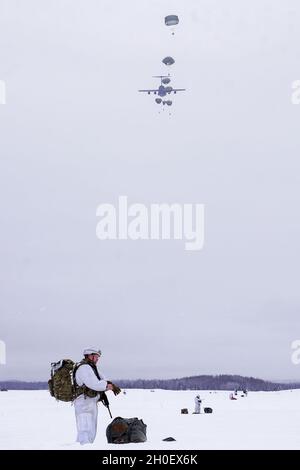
(172, 21)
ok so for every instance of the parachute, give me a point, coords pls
(168, 61)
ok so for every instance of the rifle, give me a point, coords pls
(103, 398)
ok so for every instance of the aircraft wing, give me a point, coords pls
(178, 89)
(149, 91)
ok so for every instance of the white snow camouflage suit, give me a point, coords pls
(198, 402)
(86, 408)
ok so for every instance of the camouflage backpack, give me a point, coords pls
(61, 385)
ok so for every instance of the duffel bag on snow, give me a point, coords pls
(208, 410)
(125, 430)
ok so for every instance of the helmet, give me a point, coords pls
(88, 351)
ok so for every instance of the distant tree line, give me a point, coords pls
(210, 382)
(20, 385)
(198, 382)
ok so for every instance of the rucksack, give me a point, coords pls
(125, 430)
(61, 385)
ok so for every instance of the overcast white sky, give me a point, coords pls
(75, 133)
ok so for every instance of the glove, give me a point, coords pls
(115, 389)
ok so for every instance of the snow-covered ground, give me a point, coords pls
(263, 420)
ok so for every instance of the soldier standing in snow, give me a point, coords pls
(89, 383)
(198, 402)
